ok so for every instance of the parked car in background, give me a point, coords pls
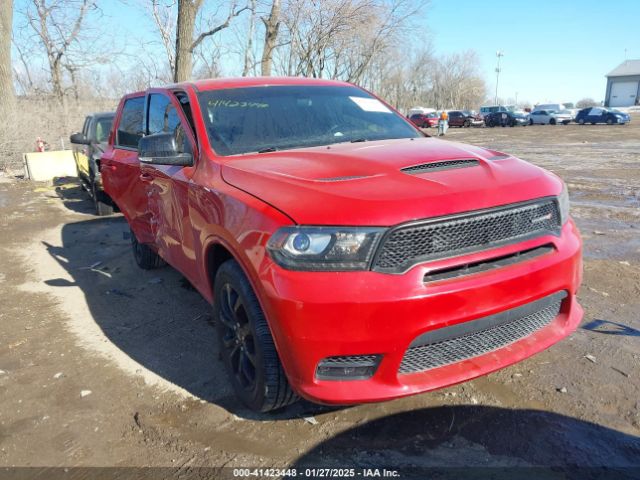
(425, 120)
(550, 117)
(88, 146)
(595, 115)
(464, 118)
(556, 107)
(423, 110)
(506, 119)
(487, 109)
(384, 266)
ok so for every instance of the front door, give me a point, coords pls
(168, 193)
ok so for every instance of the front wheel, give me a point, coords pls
(102, 209)
(609, 121)
(581, 121)
(246, 344)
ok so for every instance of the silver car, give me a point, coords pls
(550, 117)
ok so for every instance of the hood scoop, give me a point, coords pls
(341, 179)
(437, 166)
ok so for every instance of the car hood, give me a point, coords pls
(363, 184)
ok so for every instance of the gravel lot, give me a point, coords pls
(103, 364)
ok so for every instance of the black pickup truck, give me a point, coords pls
(88, 146)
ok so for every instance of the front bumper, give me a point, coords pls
(314, 315)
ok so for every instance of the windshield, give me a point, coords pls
(269, 118)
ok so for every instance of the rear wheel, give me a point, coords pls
(145, 257)
(552, 121)
(609, 121)
(246, 344)
(581, 121)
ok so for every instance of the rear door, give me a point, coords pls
(123, 181)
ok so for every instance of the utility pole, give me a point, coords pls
(499, 54)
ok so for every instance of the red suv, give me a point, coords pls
(348, 257)
(424, 120)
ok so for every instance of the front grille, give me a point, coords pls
(470, 339)
(406, 245)
(436, 166)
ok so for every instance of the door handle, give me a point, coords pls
(145, 177)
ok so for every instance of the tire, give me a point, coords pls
(581, 121)
(102, 209)
(530, 121)
(467, 123)
(144, 256)
(609, 121)
(566, 122)
(552, 121)
(246, 344)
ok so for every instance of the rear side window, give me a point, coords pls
(131, 125)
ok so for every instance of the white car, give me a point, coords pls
(550, 117)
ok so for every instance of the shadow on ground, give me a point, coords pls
(154, 317)
(463, 441)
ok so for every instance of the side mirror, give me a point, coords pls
(162, 149)
(79, 138)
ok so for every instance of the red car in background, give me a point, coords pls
(424, 120)
(348, 257)
(464, 118)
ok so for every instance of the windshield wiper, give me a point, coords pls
(267, 150)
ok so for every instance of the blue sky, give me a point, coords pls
(553, 50)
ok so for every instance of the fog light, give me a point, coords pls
(352, 367)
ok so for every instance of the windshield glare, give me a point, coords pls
(268, 118)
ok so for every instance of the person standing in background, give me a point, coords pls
(443, 123)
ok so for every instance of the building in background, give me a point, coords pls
(623, 85)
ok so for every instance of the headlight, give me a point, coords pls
(324, 248)
(563, 204)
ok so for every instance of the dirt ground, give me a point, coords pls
(106, 365)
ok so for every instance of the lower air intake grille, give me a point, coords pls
(453, 344)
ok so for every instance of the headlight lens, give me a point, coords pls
(563, 204)
(324, 248)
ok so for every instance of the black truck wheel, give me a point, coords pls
(246, 344)
(144, 255)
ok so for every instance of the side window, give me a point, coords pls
(163, 117)
(130, 129)
(85, 127)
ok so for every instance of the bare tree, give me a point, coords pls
(58, 25)
(185, 41)
(271, 27)
(7, 97)
(162, 13)
(248, 51)
(586, 102)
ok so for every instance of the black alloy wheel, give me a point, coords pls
(246, 344)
